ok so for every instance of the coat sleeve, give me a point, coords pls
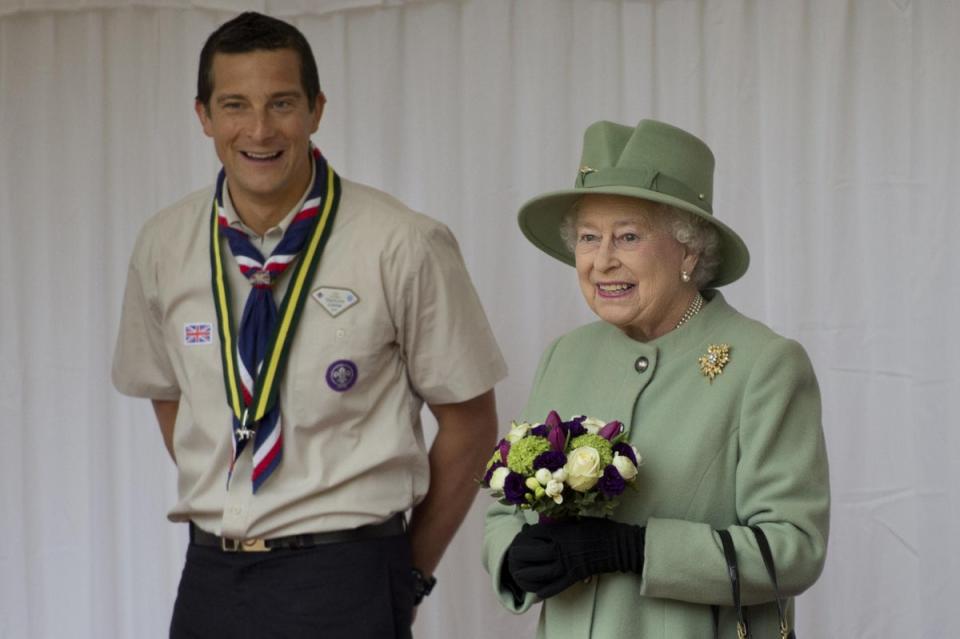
(504, 522)
(781, 484)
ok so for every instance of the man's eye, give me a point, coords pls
(283, 105)
(232, 106)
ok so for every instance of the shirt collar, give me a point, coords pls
(233, 219)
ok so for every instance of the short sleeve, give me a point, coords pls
(141, 364)
(447, 342)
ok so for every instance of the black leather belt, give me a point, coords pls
(396, 525)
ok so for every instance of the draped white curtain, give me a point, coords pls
(835, 127)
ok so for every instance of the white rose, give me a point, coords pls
(636, 453)
(498, 477)
(583, 468)
(624, 466)
(543, 476)
(518, 431)
(555, 490)
(592, 425)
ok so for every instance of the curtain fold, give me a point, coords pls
(279, 8)
(834, 126)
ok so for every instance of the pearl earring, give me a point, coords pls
(684, 276)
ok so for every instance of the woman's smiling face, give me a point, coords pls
(629, 265)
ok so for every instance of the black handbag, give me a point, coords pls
(730, 554)
(785, 631)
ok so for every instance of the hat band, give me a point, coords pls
(643, 178)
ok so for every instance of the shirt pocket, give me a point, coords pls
(338, 366)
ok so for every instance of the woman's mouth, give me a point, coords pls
(614, 289)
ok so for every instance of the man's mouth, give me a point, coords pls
(261, 157)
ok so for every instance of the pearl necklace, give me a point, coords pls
(692, 310)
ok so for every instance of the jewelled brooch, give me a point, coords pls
(712, 363)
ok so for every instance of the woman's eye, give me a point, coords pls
(586, 238)
(628, 238)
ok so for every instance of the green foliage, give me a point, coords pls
(522, 453)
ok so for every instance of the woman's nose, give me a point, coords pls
(605, 257)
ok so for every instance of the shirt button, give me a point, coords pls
(641, 364)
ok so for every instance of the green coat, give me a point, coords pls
(743, 450)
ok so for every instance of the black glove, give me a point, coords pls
(549, 558)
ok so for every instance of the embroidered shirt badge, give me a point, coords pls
(341, 375)
(196, 334)
(335, 300)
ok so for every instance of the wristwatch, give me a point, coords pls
(422, 585)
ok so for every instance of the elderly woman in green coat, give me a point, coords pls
(725, 412)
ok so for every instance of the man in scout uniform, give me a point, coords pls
(288, 325)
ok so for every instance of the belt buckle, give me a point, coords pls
(245, 545)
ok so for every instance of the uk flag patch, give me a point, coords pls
(196, 334)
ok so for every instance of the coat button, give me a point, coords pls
(641, 364)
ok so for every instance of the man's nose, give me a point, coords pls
(262, 127)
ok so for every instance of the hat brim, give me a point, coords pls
(540, 220)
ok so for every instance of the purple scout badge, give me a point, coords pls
(341, 375)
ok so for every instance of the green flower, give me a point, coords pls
(601, 445)
(522, 453)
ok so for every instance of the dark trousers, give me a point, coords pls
(355, 590)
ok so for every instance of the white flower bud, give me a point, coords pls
(624, 466)
(543, 476)
(498, 477)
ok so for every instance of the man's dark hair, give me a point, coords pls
(251, 31)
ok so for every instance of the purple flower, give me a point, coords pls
(557, 438)
(551, 460)
(611, 484)
(514, 488)
(626, 450)
(489, 473)
(611, 430)
(504, 447)
(553, 419)
(575, 426)
(540, 431)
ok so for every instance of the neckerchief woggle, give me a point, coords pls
(254, 354)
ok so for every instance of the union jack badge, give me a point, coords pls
(196, 334)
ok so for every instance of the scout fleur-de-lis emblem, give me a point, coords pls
(715, 359)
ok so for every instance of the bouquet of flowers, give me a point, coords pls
(562, 469)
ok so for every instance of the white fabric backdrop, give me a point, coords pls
(834, 123)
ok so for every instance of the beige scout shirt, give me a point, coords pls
(354, 457)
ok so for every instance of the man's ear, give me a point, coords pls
(204, 115)
(318, 111)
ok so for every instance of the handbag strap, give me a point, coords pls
(764, 545)
(730, 554)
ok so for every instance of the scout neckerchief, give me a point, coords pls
(254, 357)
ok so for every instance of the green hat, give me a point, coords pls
(654, 161)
